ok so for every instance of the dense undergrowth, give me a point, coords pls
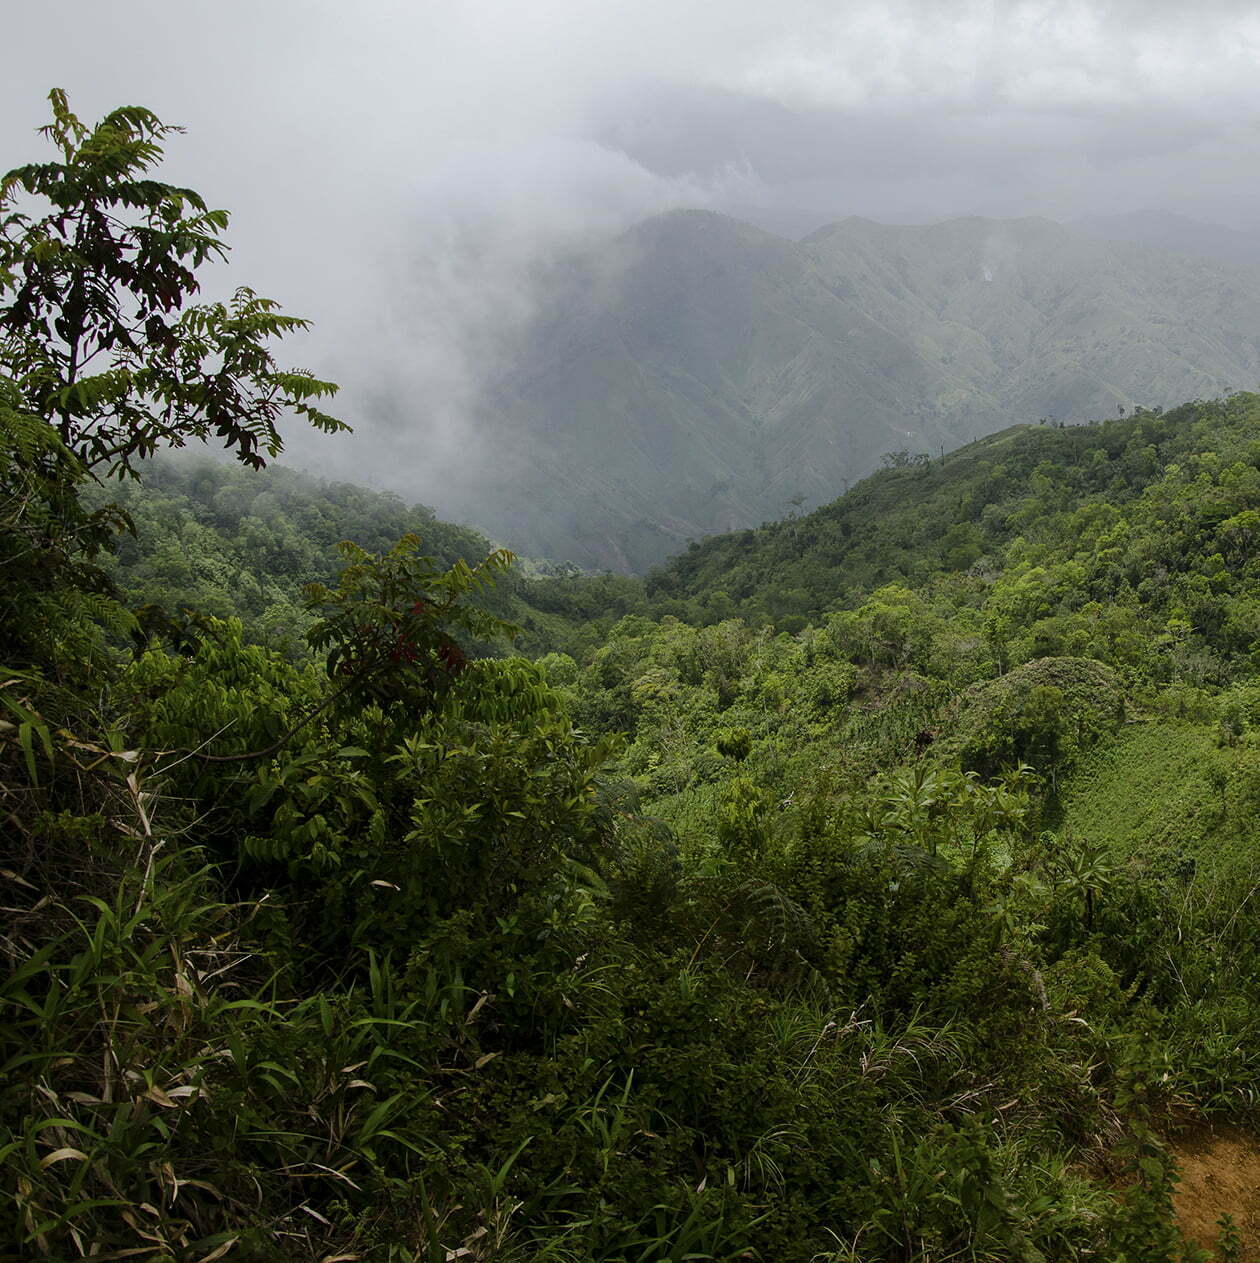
(901, 932)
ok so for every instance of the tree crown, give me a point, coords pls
(98, 262)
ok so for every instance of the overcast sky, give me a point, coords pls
(393, 169)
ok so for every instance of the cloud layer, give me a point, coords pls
(398, 171)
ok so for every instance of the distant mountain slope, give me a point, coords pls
(1166, 231)
(700, 374)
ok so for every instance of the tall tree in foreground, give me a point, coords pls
(104, 358)
(98, 262)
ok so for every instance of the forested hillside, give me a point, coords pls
(1146, 508)
(1026, 601)
(1033, 532)
(874, 887)
(216, 540)
(699, 374)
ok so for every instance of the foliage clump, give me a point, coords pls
(1045, 713)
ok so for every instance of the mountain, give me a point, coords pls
(1166, 231)
(699, 374)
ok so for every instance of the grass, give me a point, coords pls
(1148, 792)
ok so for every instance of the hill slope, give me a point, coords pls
(230, 542)
(1038, 535)
(700, 374)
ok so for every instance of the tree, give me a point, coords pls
(97, 337)
(390, 626)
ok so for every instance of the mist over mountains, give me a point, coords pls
(1167, 231)
(699, 374)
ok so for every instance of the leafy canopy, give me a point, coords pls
(98, 262)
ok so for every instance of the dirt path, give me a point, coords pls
(1220, 1173)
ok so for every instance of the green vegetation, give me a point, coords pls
(698, 374)
(213, 539)
(1129, 541)
(876, 886)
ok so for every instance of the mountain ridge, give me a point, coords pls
(700, 374)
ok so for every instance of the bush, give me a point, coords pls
(1043, 713)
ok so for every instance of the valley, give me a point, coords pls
(699, 375)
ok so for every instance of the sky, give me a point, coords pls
(396, 171)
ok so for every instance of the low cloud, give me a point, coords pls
(401, 173)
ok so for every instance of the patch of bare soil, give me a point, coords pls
(1220, 1174)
